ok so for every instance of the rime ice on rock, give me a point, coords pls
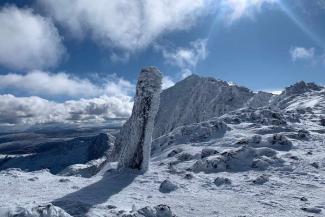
(133, 144)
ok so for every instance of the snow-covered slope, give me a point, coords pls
(250, 161)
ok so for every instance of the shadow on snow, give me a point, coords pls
(80, 202)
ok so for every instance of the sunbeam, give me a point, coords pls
(296, 19)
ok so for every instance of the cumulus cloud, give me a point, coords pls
(42, 83)
(35, 110)
(88, 102)
(123, 24)
(301, 53)
(186, 58)
(235, 9)
(27, 40)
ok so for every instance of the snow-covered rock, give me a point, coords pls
(299, 96)
(133, 143)
(207, 152)
(240, 159)
(312, 210)
(174, 152)
(167, 186)
(161, 210)
(222, 181)
(85, 170)
(198, 132)
(261, 179)
(47, 210)
(280, 142)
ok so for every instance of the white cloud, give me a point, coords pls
(89, 103)
(61, 84)
(35, 110)
(186, 58)
(123, 24)
(27, 40)
(167, 82)
(301, 53)
(236, 9)
(274, 91)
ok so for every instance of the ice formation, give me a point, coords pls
(133, 144)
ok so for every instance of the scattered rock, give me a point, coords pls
(185, 156)
(303, 199)
(33, 179)
(280, 142)
(312, 209)
(47, 210)
(207, 152)
(293, 157)
(163, 211)
(261, 179)
(188, 176)
(222, 181)
(322, 122)
(157, 211)
(314, 164)
(111, 207)
(303, 134)
(64, 180)
(167, 186)
(174, 152)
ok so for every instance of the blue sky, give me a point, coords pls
(59, 51)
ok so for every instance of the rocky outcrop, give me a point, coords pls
(260, 99)
(47, 210)
(307, 94)
(133, 143)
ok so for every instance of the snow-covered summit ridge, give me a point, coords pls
(197, 99)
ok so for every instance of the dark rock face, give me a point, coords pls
(100, 146)
(322, 122)
(133, 144)
(301, 87)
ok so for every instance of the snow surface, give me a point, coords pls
(266, 161)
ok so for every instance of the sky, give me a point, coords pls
(78, 61)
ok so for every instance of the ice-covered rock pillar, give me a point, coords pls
(133, 144)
